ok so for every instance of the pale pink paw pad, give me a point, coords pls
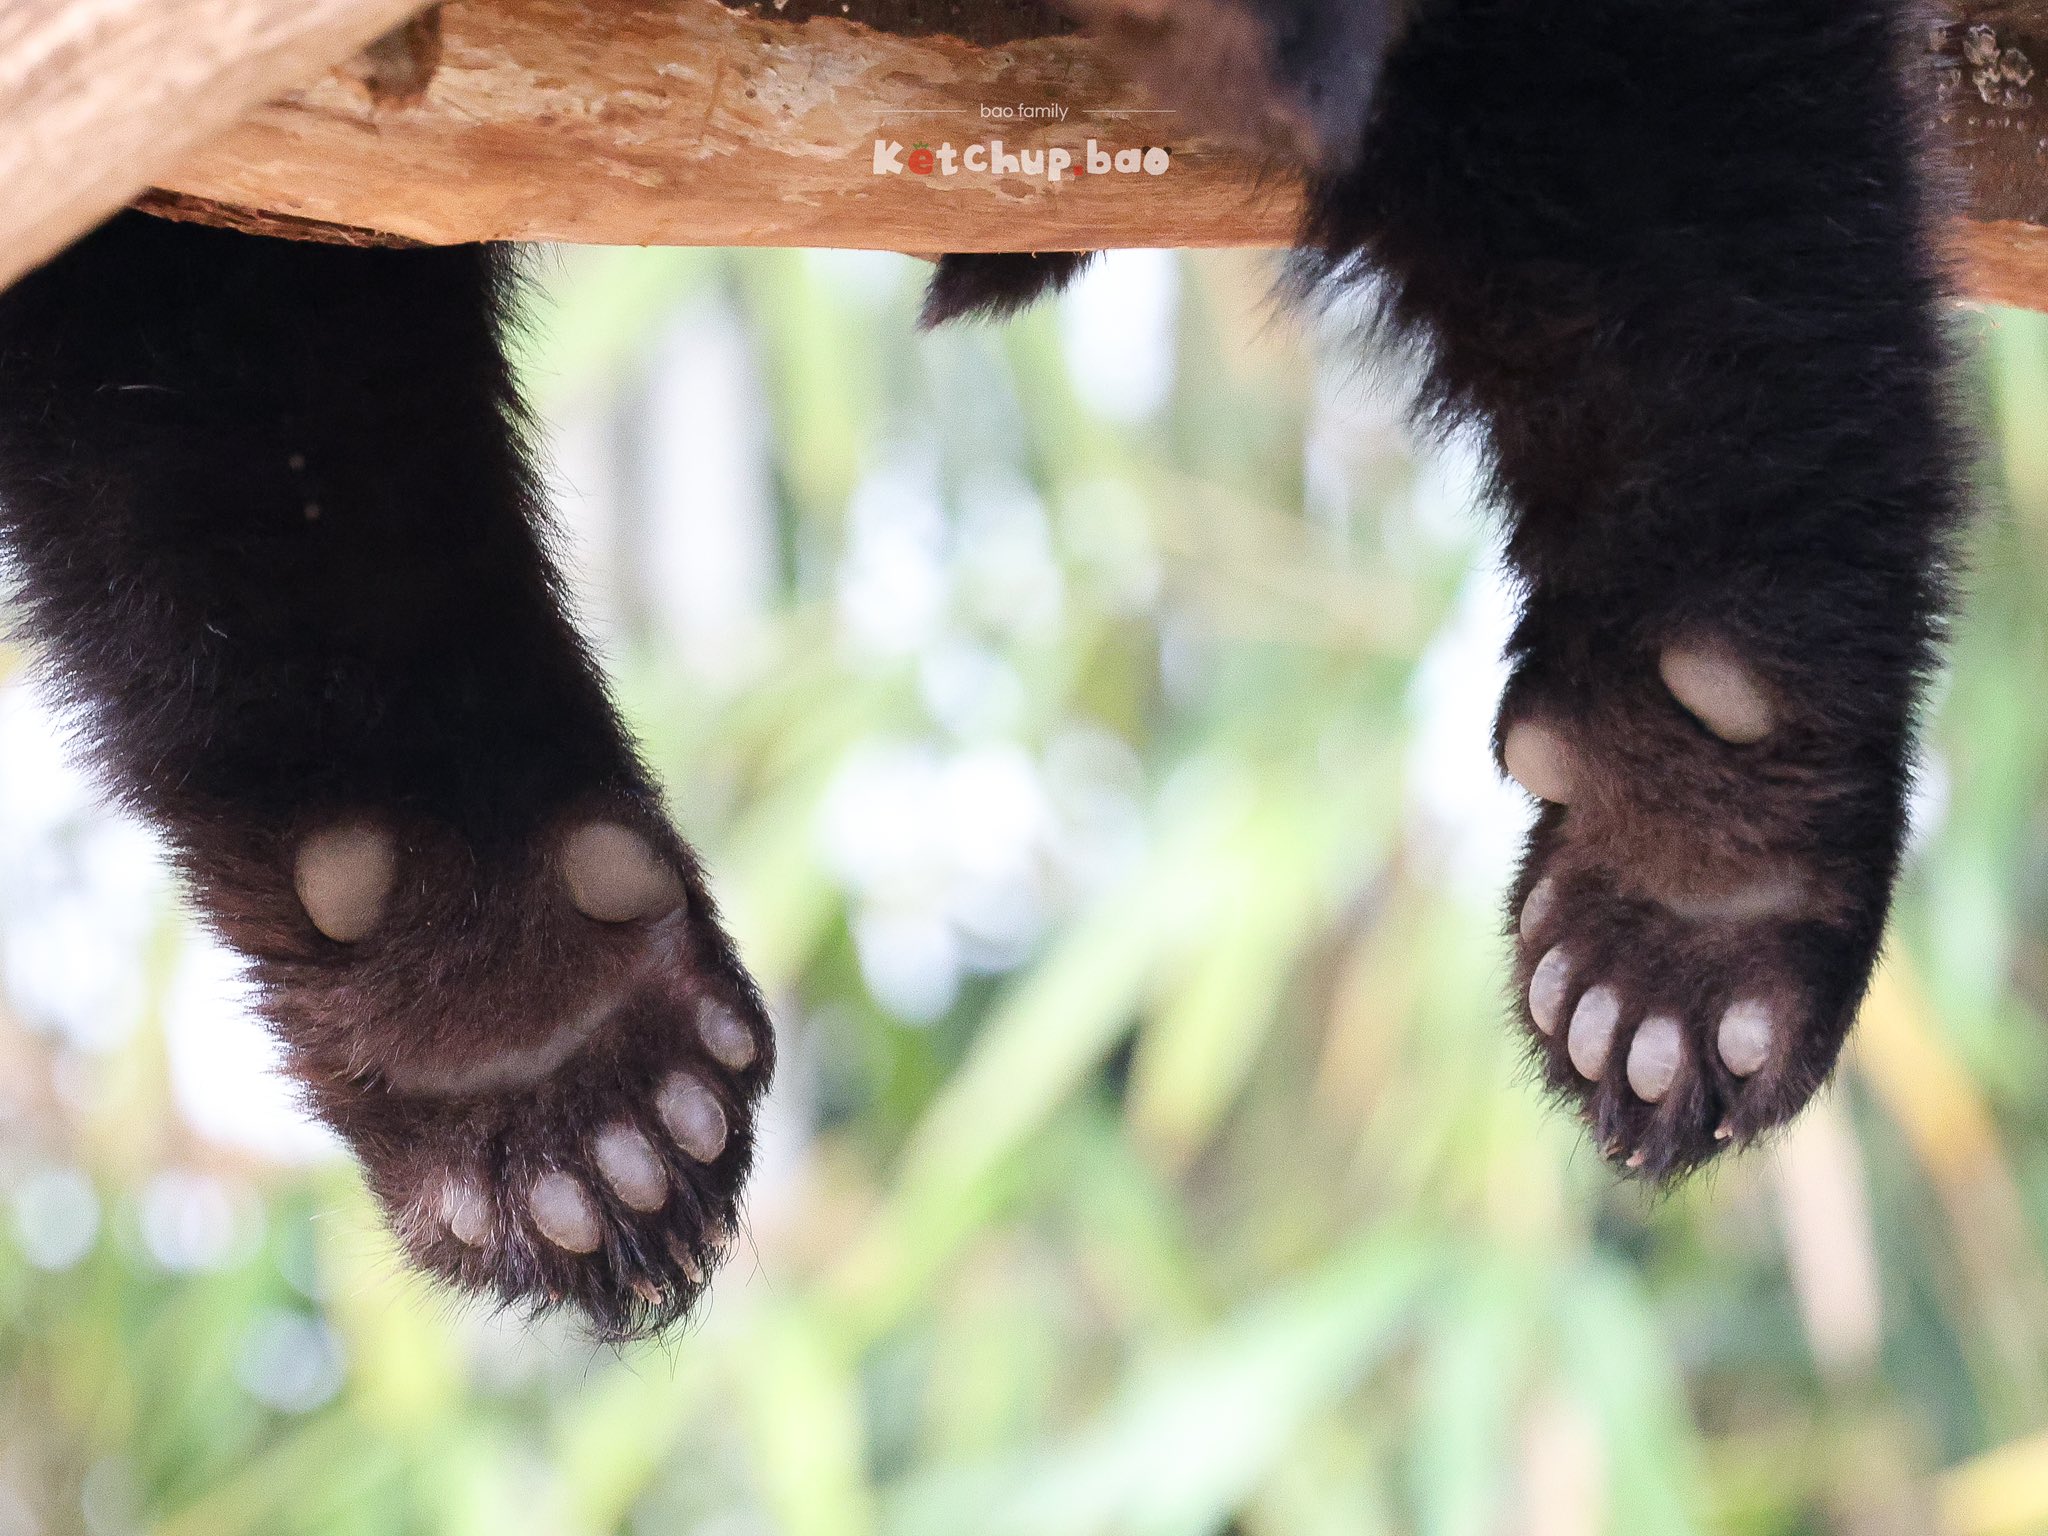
(1745, 1037)
(343, 875)
(563, 1211)
(465, 1212)
(694, 1117)
(629, 1165)
(726, 1037)
(1654, 1058)
(1718, 691)
(1592, 1030)
(615, 876)
(1546, 989)
(1537, 760)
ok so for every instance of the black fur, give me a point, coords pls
(1321, 61)
(1291, 77)
(1673, 260)
(275, 524)
(996, 287)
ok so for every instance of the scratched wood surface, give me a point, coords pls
(750, 123)
(644, 122)
(98, 97)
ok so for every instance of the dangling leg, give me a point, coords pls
(1671, 259)
(278, 533)
(1294, 77)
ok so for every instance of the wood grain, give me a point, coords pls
(1987, 98)
(687, 122)
(753, 122)
(100, 97)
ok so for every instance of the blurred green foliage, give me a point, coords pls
(1209, 1194)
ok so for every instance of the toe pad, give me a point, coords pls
(1745, 1037)
(694, 1117)
(1546, 989)
(629, 1165)
(563, 1211)
(1592, 1031)
(726, 1037)
(1654, 1058)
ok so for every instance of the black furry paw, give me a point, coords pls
(1702, 897)
(541, 1052)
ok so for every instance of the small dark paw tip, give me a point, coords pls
(607, 1187)
(1673, 1040)
(549, 1066)
(996, 286)
(627, 1238)
(1697, 913)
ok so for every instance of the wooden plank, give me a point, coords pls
(1989, 110)
(688, 122)
(753, 122)
(100, 97)
(2002, 262)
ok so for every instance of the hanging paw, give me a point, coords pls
(541, 1049)
(1703, 894)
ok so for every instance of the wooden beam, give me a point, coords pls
(1986, 91)
(691, 122)
(697, 122)
(100, 97)
(755, 122)
(2002, 262)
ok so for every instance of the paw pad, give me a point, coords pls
(343, 875)
(1592, 1031)
(1536, 910)
(726, 1037)
(1745, 1037)
(1654, 1058)
(615, 876)
(1718, 691)
(465, 1212)
(1537, 760)
(1547, 989)
(563, 1211)
(630, 1166)
(694, 1117)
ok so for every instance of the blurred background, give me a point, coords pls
(1086, 724)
